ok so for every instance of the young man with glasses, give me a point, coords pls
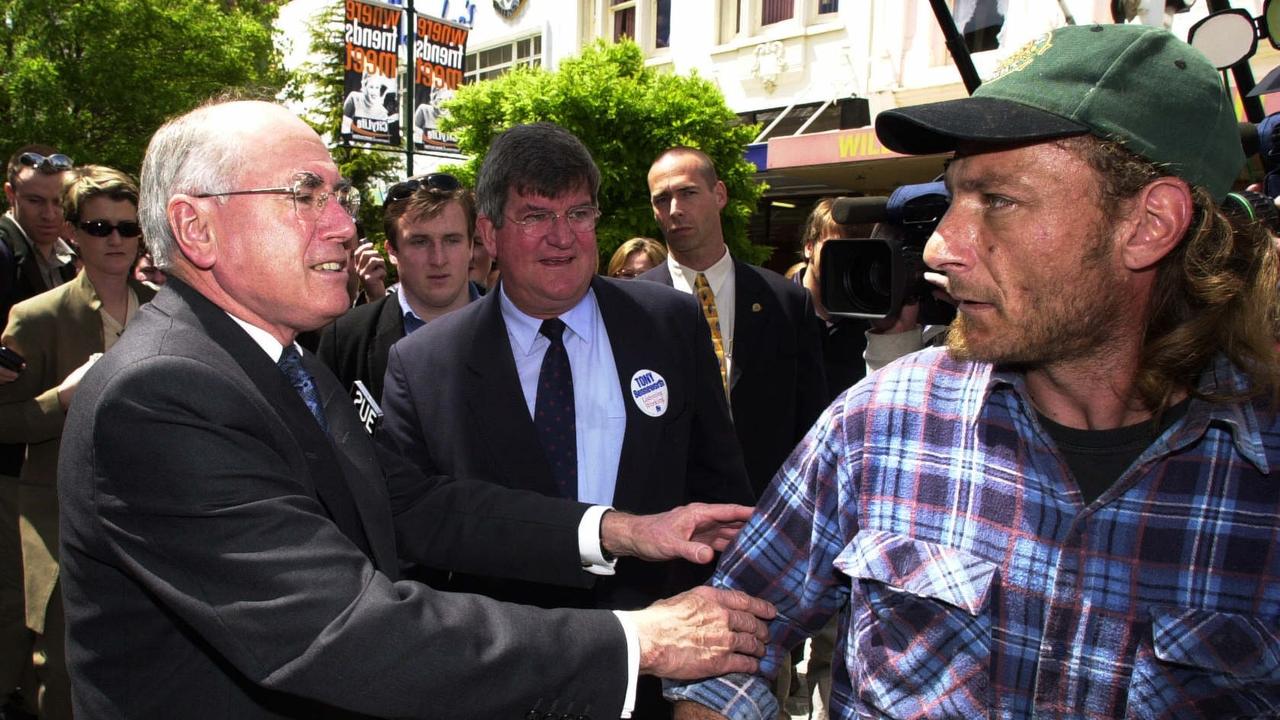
(33, 255)
(563, 382)
(429, 222)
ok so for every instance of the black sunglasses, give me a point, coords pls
(443, 182)
(56, 162)
(102, 228)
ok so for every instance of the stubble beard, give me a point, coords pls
(1077, 319)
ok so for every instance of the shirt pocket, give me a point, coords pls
(1202, 663)
(920, 627)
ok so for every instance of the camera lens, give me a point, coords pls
(868, 281)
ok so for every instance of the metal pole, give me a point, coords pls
(411, 75)
(955, 43)
(1243, 75)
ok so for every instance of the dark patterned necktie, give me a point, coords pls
(290, 363)
(553, 415)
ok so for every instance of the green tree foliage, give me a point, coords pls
(317, 86)
(626, 114)
(95, 78)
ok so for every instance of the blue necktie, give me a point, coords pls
(290, 363)
(553, 415)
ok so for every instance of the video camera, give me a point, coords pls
(874, 277)
(1262, 140)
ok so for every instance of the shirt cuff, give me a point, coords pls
(589, 549)
(737, 696)
(633, 663)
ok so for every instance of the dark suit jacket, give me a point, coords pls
(224, 558)
(355, 346)
(454, 406)
(778, 387)
(22, 277)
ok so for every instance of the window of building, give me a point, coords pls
(745, 18)
(494, 61)
(622, 17)
(662, 24)
(775, 11)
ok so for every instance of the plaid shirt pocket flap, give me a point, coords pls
(1239, 645)
(920, 568)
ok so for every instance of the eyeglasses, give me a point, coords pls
(580, 219)
(440, 182)
(56, 162)
(102, 228)
(626, 274)
(308, 200)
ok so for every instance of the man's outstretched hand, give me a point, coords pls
(693, 532)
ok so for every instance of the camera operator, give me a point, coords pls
(1071, 511)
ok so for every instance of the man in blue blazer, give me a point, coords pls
(650, 428)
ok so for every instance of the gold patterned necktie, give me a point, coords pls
(708, 301)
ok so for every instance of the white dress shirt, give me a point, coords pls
(724, 286)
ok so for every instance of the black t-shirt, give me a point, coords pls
(1097, 458)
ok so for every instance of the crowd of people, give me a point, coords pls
(243, 476)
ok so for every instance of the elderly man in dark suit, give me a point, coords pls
(766, 335)
(429, 223)
(648, 427)
(227, 531)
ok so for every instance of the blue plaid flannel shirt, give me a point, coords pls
(929, 508)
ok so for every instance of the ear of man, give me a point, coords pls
(1160, 215)
(488, 235)
(191, 228)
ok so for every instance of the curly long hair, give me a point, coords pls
(1216, 291)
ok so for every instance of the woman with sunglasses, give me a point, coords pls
(61, 333)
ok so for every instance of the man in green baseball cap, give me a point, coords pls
(1071, 511)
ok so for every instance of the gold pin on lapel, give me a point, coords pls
(756, 307)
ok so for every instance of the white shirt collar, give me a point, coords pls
(523, 328)
(717, 274)
(264, 339)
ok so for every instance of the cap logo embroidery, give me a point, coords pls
(1023, 56)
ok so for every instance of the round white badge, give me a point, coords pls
(649, 391)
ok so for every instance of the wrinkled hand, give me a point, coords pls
(694, 532)
(67, 388)
(688, 710)
(371, 269)
(702, 633)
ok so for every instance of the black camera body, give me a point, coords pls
(874, 277)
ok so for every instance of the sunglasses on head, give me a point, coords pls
(102, 228)
(443, 182)
(56, 162)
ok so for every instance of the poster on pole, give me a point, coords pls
(440, 48)
(371, 99)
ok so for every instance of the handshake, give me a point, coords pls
(705, 631)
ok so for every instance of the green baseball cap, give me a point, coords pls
(1137, 85)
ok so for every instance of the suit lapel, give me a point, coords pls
(753, 313)
(390, 328)
(360, 467)
(329, 482)
(626, 321)
(497, 401)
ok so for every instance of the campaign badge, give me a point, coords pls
(649, 391)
